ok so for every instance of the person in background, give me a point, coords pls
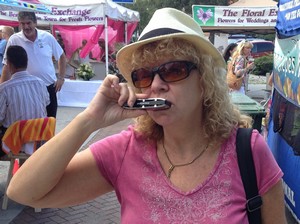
(242, 64)
(229, 51)
(177, 165)
(40, 46)
(2, 49)
(7, 31)
(23, 96)
(60, 40)
(75, 59)
(88, 57)
(102, 54)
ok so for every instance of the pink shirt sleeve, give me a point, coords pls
(109, 154)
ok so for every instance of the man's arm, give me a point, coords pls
(61, 72)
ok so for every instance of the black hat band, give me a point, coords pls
(158, 32)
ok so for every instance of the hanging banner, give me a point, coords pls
(286, 68)
(288, 22)
(223, 16)
(67, 15)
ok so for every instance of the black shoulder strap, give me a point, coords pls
(248, 174)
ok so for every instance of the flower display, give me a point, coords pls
(204, 16)
(85, 71)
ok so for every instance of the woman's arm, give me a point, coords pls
(273, 209)
(53, 176)
(242, 67)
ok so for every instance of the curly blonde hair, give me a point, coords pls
(220, 115)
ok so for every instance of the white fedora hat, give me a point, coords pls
(166, 23)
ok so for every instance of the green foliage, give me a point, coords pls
(263, 65)
(270, 37)
(146, 8)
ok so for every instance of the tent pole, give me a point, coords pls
(126, 30)
(106, 44)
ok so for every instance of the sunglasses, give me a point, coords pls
(169, 72)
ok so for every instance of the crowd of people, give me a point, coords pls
(176, 165)
(43, 52)
(5, 33)
(29, 82)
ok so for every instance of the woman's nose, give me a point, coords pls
(158, 83)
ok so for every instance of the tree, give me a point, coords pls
(146, 8)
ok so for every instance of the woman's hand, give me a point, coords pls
(106, 107)
(250, 66)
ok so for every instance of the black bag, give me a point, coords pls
(248, 174)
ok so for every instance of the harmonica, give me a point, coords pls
(149, 104)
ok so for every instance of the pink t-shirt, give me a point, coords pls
(146, 195)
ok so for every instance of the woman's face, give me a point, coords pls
(185, 96)
(247, 50)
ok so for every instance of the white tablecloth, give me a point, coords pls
(77, 93)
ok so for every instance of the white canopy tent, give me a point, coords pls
(79, 13)
(244, 16)
(89, 12)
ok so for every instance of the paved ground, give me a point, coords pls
(105, 209)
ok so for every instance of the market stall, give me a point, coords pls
(284, 123)
(77, 93)
(77, 20)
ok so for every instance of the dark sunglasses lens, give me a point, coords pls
(141, 78)
(174, 71)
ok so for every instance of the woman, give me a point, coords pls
(242, 62)
(176, 165)
(229, 52)
(76, 60)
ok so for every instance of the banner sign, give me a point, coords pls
(68, 15)
(290, 165)
(288, 22)
(286, 68)
(224, 16)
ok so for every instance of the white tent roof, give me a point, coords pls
(113, 10)
(79, 12)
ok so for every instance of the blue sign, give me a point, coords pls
(15, 5)
(124, 1)
(290, 166)
(287, 68)
(288, 18)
